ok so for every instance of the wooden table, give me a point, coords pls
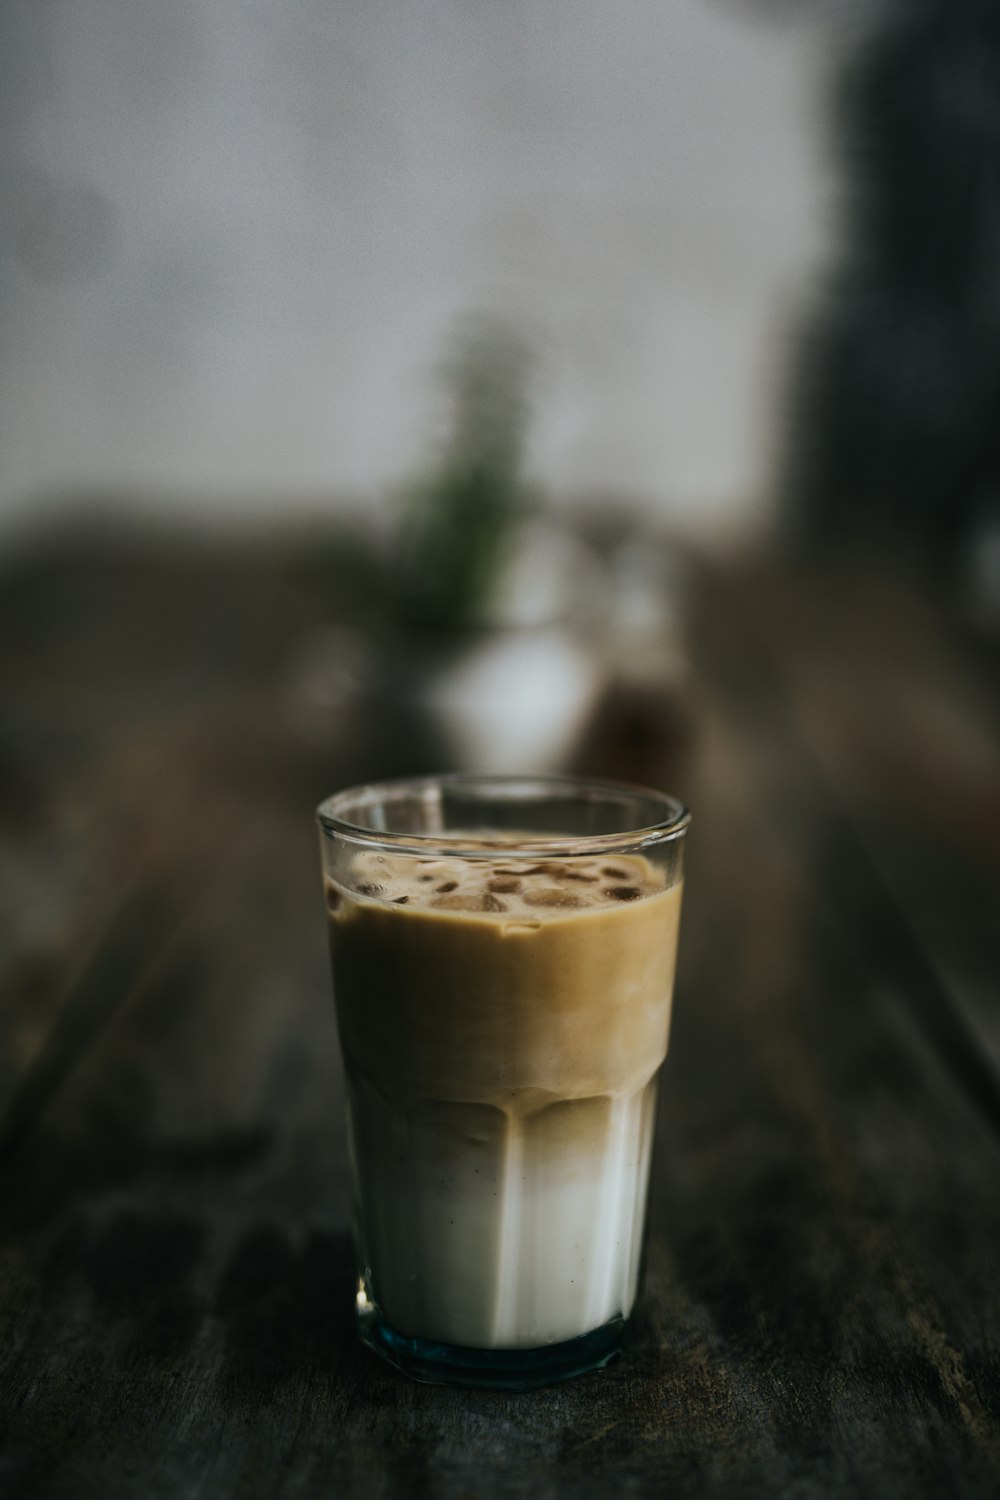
(822, 1309)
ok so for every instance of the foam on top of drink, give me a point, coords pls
(523, 888)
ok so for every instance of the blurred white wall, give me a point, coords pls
(234, 237)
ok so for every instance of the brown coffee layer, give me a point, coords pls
(453, 985)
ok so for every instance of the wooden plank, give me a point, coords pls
(913, 860)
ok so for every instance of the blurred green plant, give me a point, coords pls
(455, 523)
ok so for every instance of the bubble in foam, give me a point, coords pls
(551, 896)
(468, 901)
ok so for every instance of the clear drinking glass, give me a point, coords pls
(503, 962)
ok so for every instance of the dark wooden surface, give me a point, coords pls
(822, 1309)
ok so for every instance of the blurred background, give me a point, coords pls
(387, 388)
(537, 385)
(237, 237)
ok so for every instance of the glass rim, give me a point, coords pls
(331, 818)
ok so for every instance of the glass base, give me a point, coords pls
(491, 1369)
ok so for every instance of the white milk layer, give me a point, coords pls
(492, 1228)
